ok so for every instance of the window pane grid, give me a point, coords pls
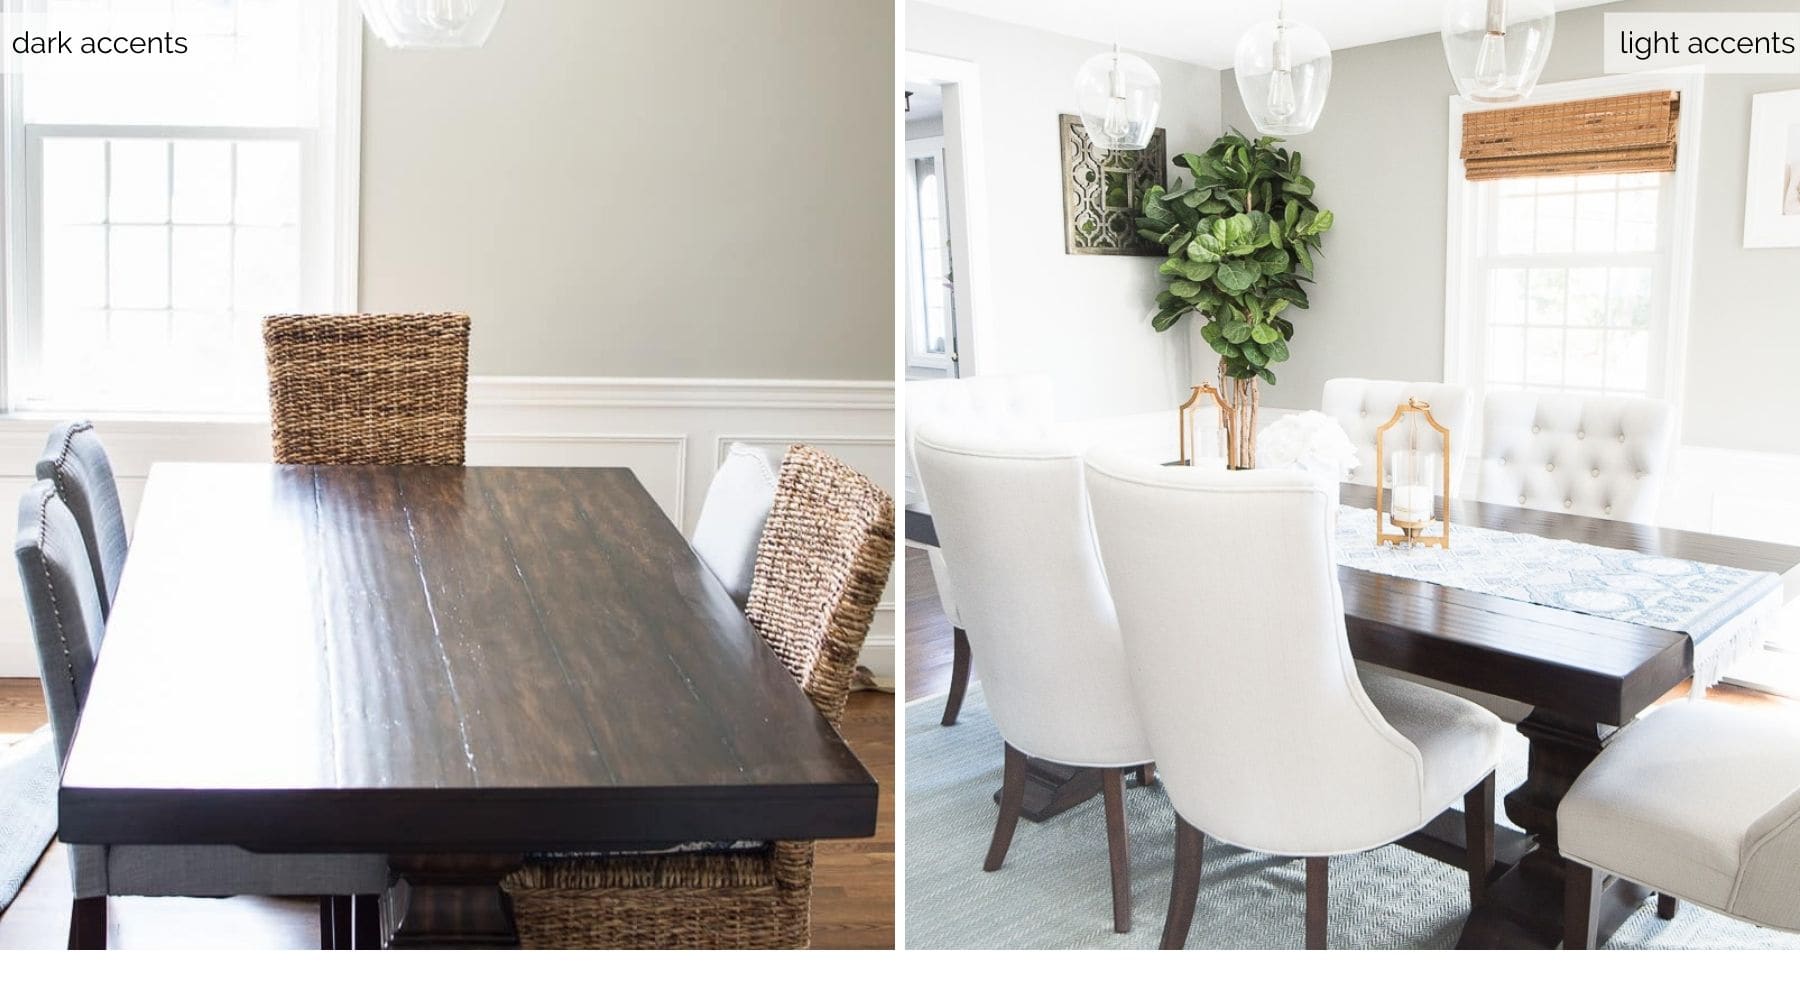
(1567, 267)
(160, 256)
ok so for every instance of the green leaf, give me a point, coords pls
(1167, 317)
(1185, 290)
(1237, 275)
(1235, 330)
(1267, 376)
(1195, 271)
(1253, 353)
(1262, 333)
(1204, 249)
(1277, 351)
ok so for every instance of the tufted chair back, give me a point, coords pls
(1598, 456)
(75, 463)
(1263, 734)
(978, 401)
(1360, 405)
(1012, 515)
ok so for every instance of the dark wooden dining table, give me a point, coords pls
(453, 667)
(1584, 676)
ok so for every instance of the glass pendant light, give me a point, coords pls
(1497, 48)
(1283, 70)
(432, 24)
(1118, 96)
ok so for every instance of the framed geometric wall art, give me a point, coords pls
(1772, 181)
(1101, 192)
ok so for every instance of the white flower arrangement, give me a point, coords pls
(1311, 441)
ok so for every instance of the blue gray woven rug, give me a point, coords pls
(1055, 892)
(27, 808)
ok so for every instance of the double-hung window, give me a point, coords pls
(1574, 279)
(157, 212)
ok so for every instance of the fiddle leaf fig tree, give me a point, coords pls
(1240, 246)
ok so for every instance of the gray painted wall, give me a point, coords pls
(602, 204)
(1379, 156)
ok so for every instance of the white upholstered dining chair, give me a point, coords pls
(1012, 516)
(1361, 405)
(732, 517)
(979, 401)
(1264, 734)
(1568, 453)
(1699, 801)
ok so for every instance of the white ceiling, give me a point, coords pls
(1206, 31)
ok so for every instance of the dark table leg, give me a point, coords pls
(449, 901)
(1524, 906)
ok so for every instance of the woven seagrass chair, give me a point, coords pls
(368, 389)
(820, 568)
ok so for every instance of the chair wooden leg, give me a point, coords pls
(1184, 890)
(1478, 831)
(327, 924)
(366, 923)
(1581, 905)
(1118, 846)
(959, 675)
(87, 924)
(1012, 799)
(343, 924)
(1146, 774)
(1318, 896)
(1667, 906)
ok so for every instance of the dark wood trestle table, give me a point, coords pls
(1585, 677)
(453, 667)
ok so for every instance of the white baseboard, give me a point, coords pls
(670, 432)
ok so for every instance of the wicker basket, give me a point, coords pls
(368, 389)
(820, 569)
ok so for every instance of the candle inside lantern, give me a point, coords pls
(1413, 473)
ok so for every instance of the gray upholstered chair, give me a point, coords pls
(64, 606)
(74, 461)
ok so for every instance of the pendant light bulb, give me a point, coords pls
(1496, 49)
(1118, 96)
(1281, 80)
(1283, 70)
(1117, 124)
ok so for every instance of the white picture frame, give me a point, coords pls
(1772, 180)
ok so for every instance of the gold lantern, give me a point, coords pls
(1202, 427)
(1412, 462)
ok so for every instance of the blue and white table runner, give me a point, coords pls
(1725, 610)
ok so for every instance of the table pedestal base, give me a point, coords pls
(449, 901)
(1524, 906)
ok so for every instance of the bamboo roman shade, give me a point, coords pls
(1630, 133)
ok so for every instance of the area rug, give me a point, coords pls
(1055, 891)
(27, 808)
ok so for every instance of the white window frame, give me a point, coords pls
(1465, 361)
(331, 172)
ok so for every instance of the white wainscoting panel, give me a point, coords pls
(671, 432)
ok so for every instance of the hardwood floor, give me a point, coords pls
(853, 882)
(927, 633)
